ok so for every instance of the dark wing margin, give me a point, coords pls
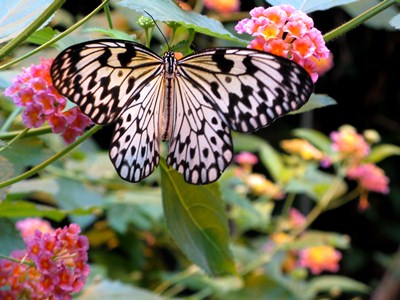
(249, 88)
(103, 76)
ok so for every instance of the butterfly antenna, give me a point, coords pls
(155, 23)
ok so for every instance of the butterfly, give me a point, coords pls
(193, 103)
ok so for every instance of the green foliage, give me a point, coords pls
(196, 219)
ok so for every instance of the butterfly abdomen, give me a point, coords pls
(169, 74)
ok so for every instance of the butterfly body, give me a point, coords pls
(169, 74)
(193, 103)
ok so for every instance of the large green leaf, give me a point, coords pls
(17, 15)
(169, 11)
(196, 219)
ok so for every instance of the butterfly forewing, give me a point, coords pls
(102, 76)
(249, 88)
(204, 96)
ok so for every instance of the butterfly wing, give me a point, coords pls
(103, 76)
(200, 146)
(135, 146)
(228, 88)
(114, 80)
(249, 88)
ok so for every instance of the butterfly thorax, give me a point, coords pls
(169, 74)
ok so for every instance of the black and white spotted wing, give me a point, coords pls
(193, 103)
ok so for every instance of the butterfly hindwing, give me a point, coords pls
(135, 146)
(200, 146)
(102, 76)
(249, 88)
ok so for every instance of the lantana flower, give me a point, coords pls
(284, 31)
(53, 266)
(222, 6)
(302, 148)
(259, 185)
(349, 144)
(319, 259)
(371, 178)
(34, 90)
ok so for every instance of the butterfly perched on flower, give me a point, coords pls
(193, 103)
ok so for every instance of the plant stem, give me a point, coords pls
(57, 38)
(320, 207)
(108, 15)
(52, 159)
(32, 132)
(48, 12)
(16, 260)
(358, 20)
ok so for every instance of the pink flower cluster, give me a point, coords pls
(284, 31)
(370, 177)
(352, 149)
(320, 258)
(53, 266)
(33, 90)
(349, 143)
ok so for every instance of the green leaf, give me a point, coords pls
(311, 5)
(196, 218)
(272, 160)
(395, 22)
(17, 15)
(9, 236)
(379, 21)
(7, 171)
(106, 290)
(318, 139)
(312, 238)
(169, 11)
(26, 153)
(73, 194)
(315, 183)
(380, 152)
(315, 101)
(24, 209)
(141, 208)
(114, 33)
(42, 36)
(268, 155)
(247, 142)
(326, 283)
